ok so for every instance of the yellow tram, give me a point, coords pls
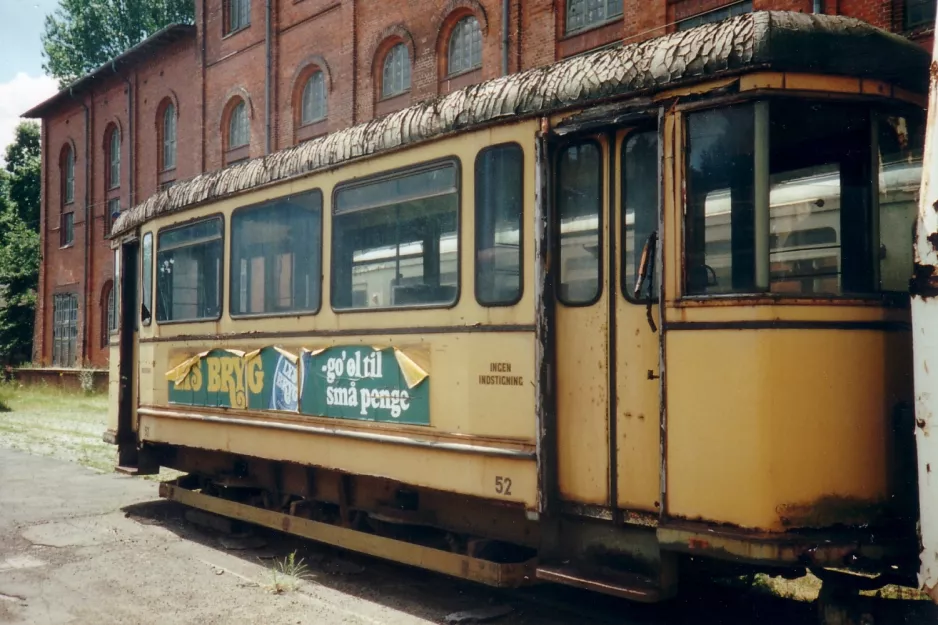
(590, 323)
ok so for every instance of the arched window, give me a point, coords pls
(169, 137)
(68, 175)
(239, 133)
(465, 46)
(114, 158)
(313, 106)
(395, 79)
(108, 310)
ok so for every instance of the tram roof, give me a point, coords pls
(763, 40)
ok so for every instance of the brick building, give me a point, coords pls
(254, 76)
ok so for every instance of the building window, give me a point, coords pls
(919, 13)
(639, 208)
(188, 268)
(313, 102)
(112, 210)
(717, 15)
(114, 158)
(395, 240)
(579, 208)
(499, 208)
(108, 309)
(64, 329)
(68, 175)
(583, 14)
(395, 78)
(275, 256)
(67, 229)
(239, 132)
(238, 15)
(465, 46)
(169, 138)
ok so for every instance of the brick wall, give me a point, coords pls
(203, 73)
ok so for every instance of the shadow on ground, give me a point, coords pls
(431, 596)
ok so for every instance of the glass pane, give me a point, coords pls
(579, 202)
(396, 75)
(189, 272)
(314, 99)
(396, 241)
(169, 137)
(115, 149)
(901, 139)
(820, 216)
(499, 209)
(147, 282)
(640, 207)
(717, 15)
(720, 223)
(276, 249)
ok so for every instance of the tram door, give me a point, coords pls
(126, 270)
(605, 206)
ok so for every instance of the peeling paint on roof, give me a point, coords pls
(780, 41)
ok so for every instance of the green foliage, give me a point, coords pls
(19, 244)
(24, 164)
(84, 34)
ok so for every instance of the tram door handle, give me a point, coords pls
(645, 268)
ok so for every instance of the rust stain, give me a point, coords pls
(831, 510)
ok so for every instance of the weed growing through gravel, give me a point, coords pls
(286, 575)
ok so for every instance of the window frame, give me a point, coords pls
(450, 73)
(627, 290)
(231, 268)
(241, 105)
(475, 224)
(227, 29)
(109, 216)
(452, 159)
(221, 277)
(307, 85)
(694, 21)
(109, 314)
(888, 298)
(384, 63)
(70, 241)
(909, 26)
(569, 32)
(68, 176)
(164, 142)
(57, 325)
(601, 225)
(114, 159)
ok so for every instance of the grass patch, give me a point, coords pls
(60, 423)
(286, 575)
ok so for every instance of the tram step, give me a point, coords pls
(616, 583)
(136, 470)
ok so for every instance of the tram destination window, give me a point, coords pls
(579, 203)
(639, 207)
(396, 241)
(499, 208)
(275, 256)
(784, 197)
(188, 272)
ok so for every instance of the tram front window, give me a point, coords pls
(799, 198)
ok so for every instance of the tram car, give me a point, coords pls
(639, 314)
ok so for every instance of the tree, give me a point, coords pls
(24, 163)
(19, 244)
(82, 35)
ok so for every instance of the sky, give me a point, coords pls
(22, 81)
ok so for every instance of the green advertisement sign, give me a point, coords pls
(357, 382)
(366, 384)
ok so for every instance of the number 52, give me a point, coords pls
(503, 485)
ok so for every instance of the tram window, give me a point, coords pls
(396, 240)
(901, 141)
(188, 281)
(720, 210)
(499, 206)
(639, 206)
(818, 212)
(275, 256)
(579, 204)
(147, 282)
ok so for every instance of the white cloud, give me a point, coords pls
(16, 97)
